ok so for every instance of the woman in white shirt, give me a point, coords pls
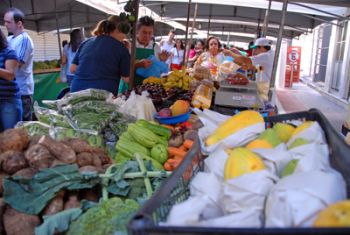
(177, 55)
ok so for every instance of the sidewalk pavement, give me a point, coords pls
(301, 97)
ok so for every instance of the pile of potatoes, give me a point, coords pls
(21, 155)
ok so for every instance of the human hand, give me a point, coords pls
(163, 55)
(126, 43)
(145, 63)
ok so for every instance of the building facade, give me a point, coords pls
(326, 58)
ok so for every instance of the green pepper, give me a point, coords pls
(160, 153)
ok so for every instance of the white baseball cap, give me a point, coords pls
(261, 42)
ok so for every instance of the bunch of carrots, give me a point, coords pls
(177, 154)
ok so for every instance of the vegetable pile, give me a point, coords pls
(52, 183)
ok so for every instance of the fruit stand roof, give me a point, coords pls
(245, 17)
(41, 17)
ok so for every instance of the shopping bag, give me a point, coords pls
(156, 69)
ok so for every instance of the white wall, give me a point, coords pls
(45, 44)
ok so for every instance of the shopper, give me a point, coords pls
(213, 57)
(10, 99)
(168, 44)
(102, 61)
(69, 51)
(177, 55)
(23, 45)
(145, 47)
(198, 50)
(261, 61)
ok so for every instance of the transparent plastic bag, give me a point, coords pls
(34, 127)
(50, 117)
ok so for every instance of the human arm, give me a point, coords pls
(8, 72)
(240, 59)
(124, 65)
(25, 50)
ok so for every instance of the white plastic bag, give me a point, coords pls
(296, 199)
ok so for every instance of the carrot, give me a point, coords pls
(182, 147)
(168, 166)
(174, 162)
(188, 143)
(176, 151)
(178, 158)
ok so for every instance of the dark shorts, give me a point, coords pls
(27, 105)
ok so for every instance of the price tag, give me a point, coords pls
(237, 97)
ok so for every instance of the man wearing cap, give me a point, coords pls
(262, 62)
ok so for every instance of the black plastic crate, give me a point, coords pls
(175, 189)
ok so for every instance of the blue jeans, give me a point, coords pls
(10, 112)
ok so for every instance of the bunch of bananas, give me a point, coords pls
(152, 80)
(177, 78)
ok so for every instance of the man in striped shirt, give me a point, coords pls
(23, 45)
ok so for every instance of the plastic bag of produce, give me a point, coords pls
(215, 163)
(221, 131)
(51, 104)
(156, 69)
(248, 191)
(188, 212)
(296, 200)
(50, 117)
(311, 157)
(93, 138)
(34, 127)
(210, 185)
(89, 106)
(79, 96)
(275, 159)
(310, 131)
(138, 106)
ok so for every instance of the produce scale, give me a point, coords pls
(240, 96)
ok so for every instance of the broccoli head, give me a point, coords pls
(108, 217)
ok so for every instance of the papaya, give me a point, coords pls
(259, 144)
(335, 215)
(242, 161)
(284, 131)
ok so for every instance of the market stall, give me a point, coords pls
(161, 159)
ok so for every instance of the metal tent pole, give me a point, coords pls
(210, 12)
(192, 30)
(133, 45)
(58, 31)
(266, 20)
(186, 33)
(278, 46)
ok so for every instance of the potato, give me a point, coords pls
(14, 139)
(39, 157)
(55, 205)
(96, 161)
(17, 223)
(84, 159)
(61, 151)
(26, 173)
(78, 145)
(34, 140)
(13, 161)
(176, 141)
(102, 154)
